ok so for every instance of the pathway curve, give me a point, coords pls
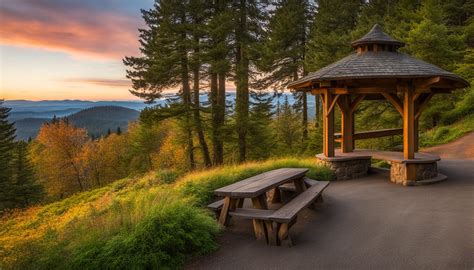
(462, 148)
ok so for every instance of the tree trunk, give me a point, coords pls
(197, 116)
(217, 154)
(187, 102)
(242, 65)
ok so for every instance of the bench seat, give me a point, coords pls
(289, 211)
(251, 213)
(217, 205)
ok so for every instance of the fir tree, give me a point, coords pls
(7, 147)
(249, 17)
(261, 139)
(330, 35)
(288, 129)
(27, 190)
(284, 50)
(217, 55)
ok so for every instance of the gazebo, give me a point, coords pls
(377, 71)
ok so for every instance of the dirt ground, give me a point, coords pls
(462, 148)
(371, 223)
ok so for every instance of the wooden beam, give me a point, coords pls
(328, 125)
(356, 103)
(325, 84)
(372, 90)
(393, 98)
(373, 134)
(422, 105)
(333, 103)
(409, 124)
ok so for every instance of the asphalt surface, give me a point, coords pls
(368, 223)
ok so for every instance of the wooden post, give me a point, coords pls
(417, 135)
(347, 129)
(328, 123)
(409, 123)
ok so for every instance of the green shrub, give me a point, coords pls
(202, 184)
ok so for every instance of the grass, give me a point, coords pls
(152, 222)
(448, 133)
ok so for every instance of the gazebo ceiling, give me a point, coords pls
(376, 57)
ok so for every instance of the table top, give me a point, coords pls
(259, 184)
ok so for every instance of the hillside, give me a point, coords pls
(98, 120)
(136, 223)
(29, 127)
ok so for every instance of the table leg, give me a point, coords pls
(276, 195)
(229, 204)
(299, 185)
(263, 229)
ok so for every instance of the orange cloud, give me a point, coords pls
(102, 82)
(79, 32)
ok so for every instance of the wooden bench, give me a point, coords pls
(284, 217)
(216, 207)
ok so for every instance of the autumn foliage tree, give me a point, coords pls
(57, 157)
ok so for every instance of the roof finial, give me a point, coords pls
(376, 35)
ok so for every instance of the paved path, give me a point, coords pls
(368, 223)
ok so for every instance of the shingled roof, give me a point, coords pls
(377, 64)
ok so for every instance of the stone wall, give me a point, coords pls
(348, 169)
(424, 171)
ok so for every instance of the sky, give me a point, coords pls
(68, 49)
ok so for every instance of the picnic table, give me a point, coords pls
(256, 188)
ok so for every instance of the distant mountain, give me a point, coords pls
(49, 108)
(97, 121)
(29, 127)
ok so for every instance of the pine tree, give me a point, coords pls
(284, 49)
(249, 16)
(27, 190)
(7, 147)
(166, 45)
(217, 53)
(261, 139)
(288, 131)
(330, 34)
(430, 38)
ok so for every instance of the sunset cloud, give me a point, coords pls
(102, 82)
(80, 28)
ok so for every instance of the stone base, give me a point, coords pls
(421, 170)
(409, 174)
(345, 169)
